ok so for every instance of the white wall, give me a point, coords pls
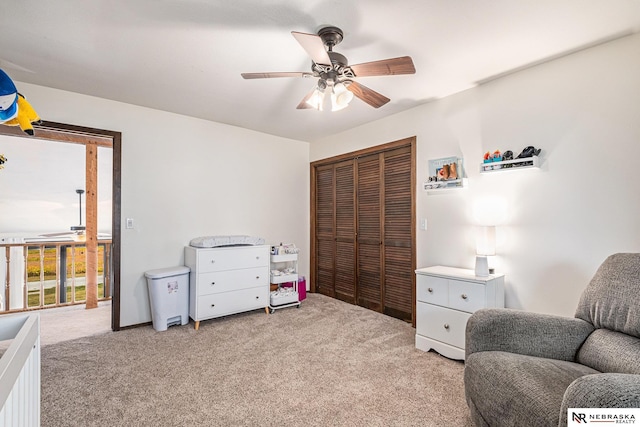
(184, 177)
(583, 110)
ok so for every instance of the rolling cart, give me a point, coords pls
(284, 273)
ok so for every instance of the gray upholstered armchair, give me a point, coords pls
(528, 369)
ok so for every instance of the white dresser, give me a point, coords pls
(227, 280)
(445, 299)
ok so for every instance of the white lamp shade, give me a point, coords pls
(486, 241)
(316, 100)
(340, 97)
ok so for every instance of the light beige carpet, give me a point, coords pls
(326, 364)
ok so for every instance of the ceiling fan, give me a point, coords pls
(77, 232)
(335, 75)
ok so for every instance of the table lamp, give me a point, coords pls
(485, 246)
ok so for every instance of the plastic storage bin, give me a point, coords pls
(302, 288)
(169, 296)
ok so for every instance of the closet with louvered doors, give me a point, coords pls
(363, 228)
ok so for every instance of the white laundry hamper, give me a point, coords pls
(169, 296)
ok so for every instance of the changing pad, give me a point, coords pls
(217, 241)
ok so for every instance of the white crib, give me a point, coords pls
(20, 370)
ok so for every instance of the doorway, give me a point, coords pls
(93, 138)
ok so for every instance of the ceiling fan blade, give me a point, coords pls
(303, 104)
(370, 96)
(68, 233)
(385, 67)
(314, 47)
(274, 75)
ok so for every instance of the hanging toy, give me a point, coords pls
(15, 110)
(8, 98)
(26, 118)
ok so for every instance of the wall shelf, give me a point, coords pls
(440, 182)
(438, 186)
(511, 165)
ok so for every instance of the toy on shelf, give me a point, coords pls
(15, 110)
(527, 158)
(444, 173)
(8, 98)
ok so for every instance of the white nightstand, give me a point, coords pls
(445, 299)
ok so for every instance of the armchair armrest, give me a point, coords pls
(533, 334)
(601, 391)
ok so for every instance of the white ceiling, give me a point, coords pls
(186, 56)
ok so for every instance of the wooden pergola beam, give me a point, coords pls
(44, 131)
(91, 274)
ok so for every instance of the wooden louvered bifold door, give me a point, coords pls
(364, 228)
(369, 286)
(324, 230)
(345, 244)
(397, 242)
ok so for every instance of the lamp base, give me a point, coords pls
(482, 266)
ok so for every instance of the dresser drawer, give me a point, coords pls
(466, 296)
(221, 259)
(441, 324)
(432, 289)
(231, 280)
(222, 304)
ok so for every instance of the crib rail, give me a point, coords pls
(20, 370)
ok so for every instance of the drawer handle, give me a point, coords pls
(430, 290)
(257, 277)
(213, 305)
(213, 283)
(446, 326)
(464, 296)
(257, 257)
(213, 261)
(257, 297)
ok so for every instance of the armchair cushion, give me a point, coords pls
(507, 389)
(609, 351)
(612, 298)
(601, 391)
(514, 331)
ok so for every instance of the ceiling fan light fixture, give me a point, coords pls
(340, 97)
(316, 100)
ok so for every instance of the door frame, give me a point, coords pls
(62, 132)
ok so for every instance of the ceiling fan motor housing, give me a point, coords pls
(330, 36)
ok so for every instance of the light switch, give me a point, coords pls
(129, 223)
(423, 223)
